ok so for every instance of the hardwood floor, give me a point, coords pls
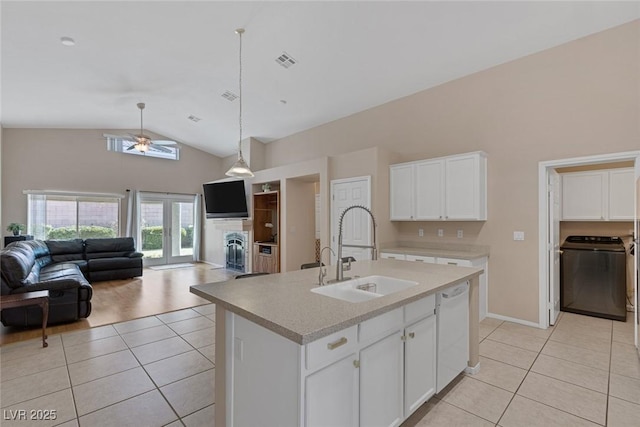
(156, 292)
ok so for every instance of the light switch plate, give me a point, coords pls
(421, 232)
(518, 235)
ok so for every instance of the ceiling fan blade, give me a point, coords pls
(131, 148)
(163, 142)
(159, 148)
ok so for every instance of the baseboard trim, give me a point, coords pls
(514, 320)
(472, 370)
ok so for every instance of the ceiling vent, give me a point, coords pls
(194, 118)
(286, 60)
(230, 96)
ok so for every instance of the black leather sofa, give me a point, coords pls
(65, 268)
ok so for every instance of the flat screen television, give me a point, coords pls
(225, 200)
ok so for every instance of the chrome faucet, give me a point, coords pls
(374, 251)
(323, 271)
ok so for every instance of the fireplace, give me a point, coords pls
(235, 250)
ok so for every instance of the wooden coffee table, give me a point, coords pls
(40, 298)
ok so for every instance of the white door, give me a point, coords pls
(636, 234)
(356, 226)
(331, 395)
(553, 245)
(420, 363)
(381, 379)
(166, 228)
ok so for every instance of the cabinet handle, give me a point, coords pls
(356, 363)
(336, 344)
(419, 260)
(452, 263)
(412, 334)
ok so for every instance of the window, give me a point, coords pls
(67, 216)
(159, 151)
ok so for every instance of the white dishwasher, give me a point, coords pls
(452, 308)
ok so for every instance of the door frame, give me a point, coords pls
(333, 239)
(167, 199)
(543, 218)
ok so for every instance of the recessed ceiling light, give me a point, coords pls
(67, 41)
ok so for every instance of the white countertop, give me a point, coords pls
(284, 304)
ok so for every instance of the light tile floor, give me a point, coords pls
(585, 371)
(159, 371)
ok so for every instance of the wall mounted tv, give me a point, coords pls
(225, 200)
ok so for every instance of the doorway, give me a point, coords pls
(356, 227)
(549, 244)
(166, 227)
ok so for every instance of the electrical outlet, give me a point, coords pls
(460, 234)
(440, 232)
(518, 235)
(421, 232)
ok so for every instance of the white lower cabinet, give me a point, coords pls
(381, 381)
(419, 363)
(331, 395)
(376, 373)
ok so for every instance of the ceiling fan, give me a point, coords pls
(142, 142)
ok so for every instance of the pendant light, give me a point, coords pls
(240, 168)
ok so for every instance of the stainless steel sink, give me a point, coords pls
(364, 288)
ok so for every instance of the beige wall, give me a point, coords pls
(77, 160)
(578, 99)
(300, 224)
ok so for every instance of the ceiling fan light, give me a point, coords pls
(142, 147)
(240, 169)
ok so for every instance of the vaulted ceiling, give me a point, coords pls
(180, 57)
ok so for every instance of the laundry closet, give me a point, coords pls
(596, 232)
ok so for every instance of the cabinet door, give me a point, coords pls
(401, 192)
(420, 363)
(621, 189)
(381, 379)
(462, 188)
(583, 196)
(331, 395)
(429, 197)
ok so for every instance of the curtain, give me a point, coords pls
(133, 224)
(197, 226)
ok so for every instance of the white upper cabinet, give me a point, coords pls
(448, 188)
(401, 180)
(621, 191)
(604, 195)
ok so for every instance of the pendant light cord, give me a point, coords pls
(239, 32)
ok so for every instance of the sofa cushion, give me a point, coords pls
(62, 271)
(116, 263)
(108, 248)
(66, 250)
(20, 262)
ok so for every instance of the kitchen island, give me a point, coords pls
(274, 337)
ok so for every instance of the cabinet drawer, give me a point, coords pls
(427, 259)
(332, 347)
(455, 261)
(420, 308)
(381, 325)
(390, 255)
